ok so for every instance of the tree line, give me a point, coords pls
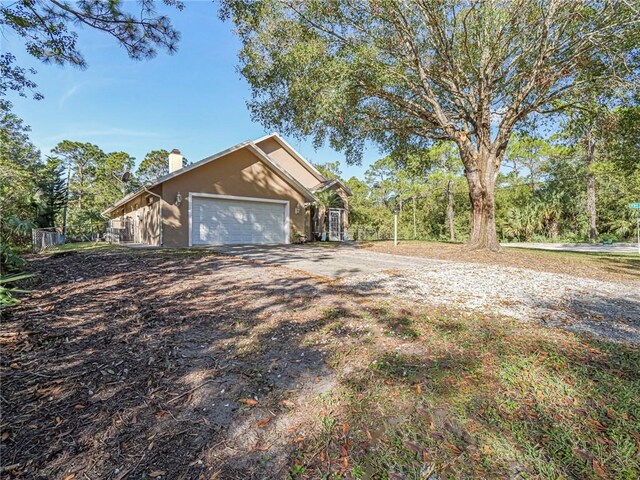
(70, 185)
(569, 186)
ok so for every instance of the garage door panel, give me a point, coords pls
(217, 221)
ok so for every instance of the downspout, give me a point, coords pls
(159, 213)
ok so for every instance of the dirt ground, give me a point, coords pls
(598, 266)
(137, 364)
(188, 365)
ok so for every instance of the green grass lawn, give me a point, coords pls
(83, 247)
(473, 396)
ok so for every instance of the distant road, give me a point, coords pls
(578, 247)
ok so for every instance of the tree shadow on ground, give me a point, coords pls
(132, 365)
(475, 396)
(123, 365)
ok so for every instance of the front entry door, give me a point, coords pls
(334, 225)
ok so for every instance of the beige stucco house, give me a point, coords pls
(256, 192)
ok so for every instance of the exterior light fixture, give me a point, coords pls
(298, 207)
(178, 199)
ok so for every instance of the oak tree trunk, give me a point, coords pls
(481, 178)
(452, 231)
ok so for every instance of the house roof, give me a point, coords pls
(292, 151)
(329, 183)
(250, 145)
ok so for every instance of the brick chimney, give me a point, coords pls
(175, 160)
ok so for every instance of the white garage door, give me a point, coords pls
(218, 221)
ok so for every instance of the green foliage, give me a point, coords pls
(328, 199)
(52, 188)
(23, 186)
(154, 166)
(96, 181)
(329, 169)
(624, 140)
(541, 193)
(7, 292)
(10, 261)
(407, 76)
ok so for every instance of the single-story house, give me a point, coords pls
(256, 192)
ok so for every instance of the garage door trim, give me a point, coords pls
(193, 195)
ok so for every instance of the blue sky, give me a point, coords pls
(194, 100)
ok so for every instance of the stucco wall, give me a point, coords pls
(279, 155)
(240, 173)
(142, 216)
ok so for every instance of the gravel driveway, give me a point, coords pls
(606, 308)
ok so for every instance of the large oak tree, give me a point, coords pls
(404, 73)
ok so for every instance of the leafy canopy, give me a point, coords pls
(410, 72)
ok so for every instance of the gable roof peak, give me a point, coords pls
(294, 153)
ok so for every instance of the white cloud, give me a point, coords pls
(68, 94)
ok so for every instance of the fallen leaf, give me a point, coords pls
(15, 366)
(70, 476)
(5, 435)
(157, 473)
(418, 389)
(79, 406)
(345, 428)
(287, 403)
(454, 448)
(298, 439)
(414, 447)
(584, 455)
(598, 469)
(58, 420)
(345, 462)
(248, 401)
(322, 456)
(262, 422)
(596, 423)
